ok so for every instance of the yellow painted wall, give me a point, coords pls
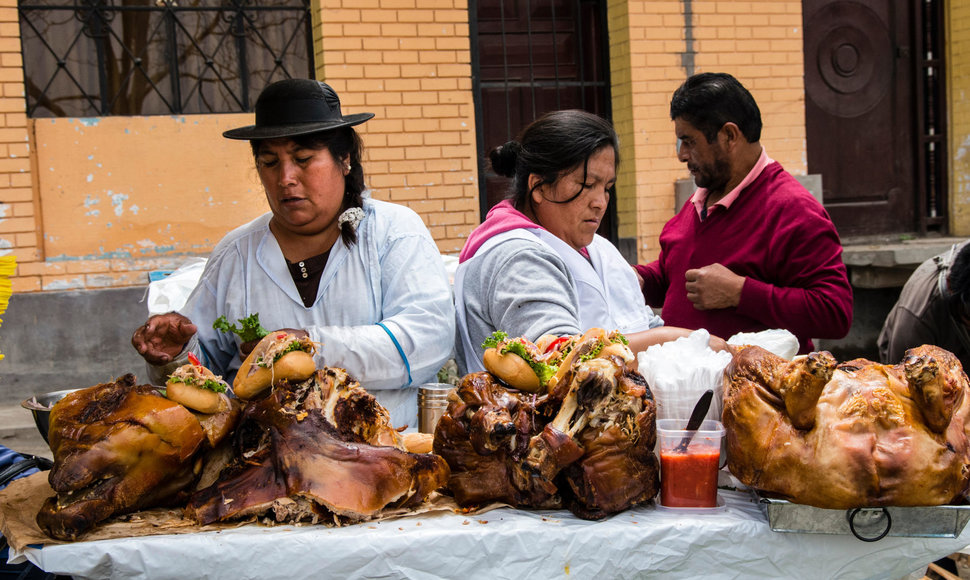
(89, 204)
(759, 42)
(95, 203)
(958, 78)
(107, 188)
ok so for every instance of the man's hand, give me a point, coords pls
(162, 338)
(713, 287)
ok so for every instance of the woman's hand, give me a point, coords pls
(163, 337)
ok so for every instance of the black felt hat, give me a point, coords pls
(296, 107)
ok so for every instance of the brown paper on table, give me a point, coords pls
(22, 499)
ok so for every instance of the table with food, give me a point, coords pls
(566, 457)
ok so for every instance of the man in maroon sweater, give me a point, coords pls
(752, 249)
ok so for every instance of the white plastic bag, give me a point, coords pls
(680, 371)
(776, 340)
(171, 292)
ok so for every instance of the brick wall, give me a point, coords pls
(19, 220)
(408, 61)
(958, 78)
(758, 42)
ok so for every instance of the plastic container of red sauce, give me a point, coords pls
(688, 476)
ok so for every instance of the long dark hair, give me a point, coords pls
(709, 100)
(341, 142)
(551, 146)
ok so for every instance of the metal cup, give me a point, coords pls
(432, 403)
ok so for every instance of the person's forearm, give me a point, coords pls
(640, 341)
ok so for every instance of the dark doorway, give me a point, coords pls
(530, 57)
(874, 113)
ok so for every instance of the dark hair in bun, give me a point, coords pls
(551, 146)
(503, 158)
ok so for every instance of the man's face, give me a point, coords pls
(708, 163)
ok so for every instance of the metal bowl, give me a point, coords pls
(40, 407)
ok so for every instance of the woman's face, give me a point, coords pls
(576, 222)
(304, 187)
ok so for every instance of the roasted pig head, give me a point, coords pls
(849, 435)
(587, 444)
(320, 450)
(118, 447)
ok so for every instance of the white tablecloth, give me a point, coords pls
(735, 542)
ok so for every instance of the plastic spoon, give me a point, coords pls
(696, 418)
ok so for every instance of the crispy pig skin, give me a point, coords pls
(118, 447)
(325, 446)
(873, 435)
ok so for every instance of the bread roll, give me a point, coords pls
(265, 365)
(512, 369)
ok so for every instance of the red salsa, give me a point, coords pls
(689, 479)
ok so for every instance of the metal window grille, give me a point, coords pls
(530, 57)
(86, 58)
(931, 120)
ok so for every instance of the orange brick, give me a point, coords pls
(116, 280)
(25, 284)
(446, 219)
(24, 180)
(15, 194)
(88, 266)
(381, 71)
(25, 240)
(17, 224)
(446, 191)
(465, 204)
(62, 283)
(13, 60)
(399, 30)
(400, 57)
(25, 255)
(416, 16)
(22, 209)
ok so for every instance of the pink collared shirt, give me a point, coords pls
(699, 199)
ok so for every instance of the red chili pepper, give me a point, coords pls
(554, 344)
(194, 360)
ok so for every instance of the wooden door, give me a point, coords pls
(860, 109)
(530, 57)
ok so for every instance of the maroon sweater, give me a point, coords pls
(781, 239)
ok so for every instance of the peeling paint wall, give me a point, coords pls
(102, 202)
(98, 203)
(142, 187)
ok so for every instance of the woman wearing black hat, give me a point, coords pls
(363, 278)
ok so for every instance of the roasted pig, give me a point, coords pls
(120, 447)
(849, 435)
